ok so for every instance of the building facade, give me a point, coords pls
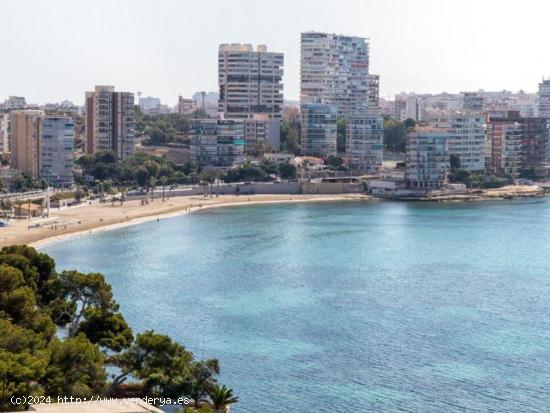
(24, 141)
(334, 71)
(373, 99)
(504, 144)
(428, 158)
(262, 135)
(467, 137)
(364, 142)
(56, 150)
(544, 99)
(318, 128)
(218, 143)
(110, 121)
(4, 133)
(186, 106)
(250, 81)
(472, 101)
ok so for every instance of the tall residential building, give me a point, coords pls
(399, 108)
(364, 141)
(250, 81)
(56, 150)
(24, 141)
(413, 108)
(110, 121)
(544, 99)
(373, 98)
(217, 142)
(318, 128)
(535, 146)
(467, 137)
(334, 71)
(504, 144)
(4, 133)
(428, 158)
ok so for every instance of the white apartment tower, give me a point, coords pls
(110, 121)
(250, 81)
(334, 71)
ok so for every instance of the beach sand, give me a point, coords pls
(88, 218)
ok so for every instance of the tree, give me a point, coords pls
(455, 162)
(287, 171)
(76, 368)
(24, 357)
(409, 123)
(221, 396)
(290, 138)
(395, 134)
(203, 375)
(107, 329)
(341, 134)
(141, 174)
(163, 365)
(86, 291)
(164, 181)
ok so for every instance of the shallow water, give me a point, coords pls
(348, 306)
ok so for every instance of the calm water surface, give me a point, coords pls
(347, 307)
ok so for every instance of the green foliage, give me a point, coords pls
(203, 377)
(36, 361)
(290, 137)
(341, 134)
(76, 367)
(106, 328)
(287, 171)
(221, 396)
(137, 170)
(335, 163)
(395, 134)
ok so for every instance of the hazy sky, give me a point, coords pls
(56, 49)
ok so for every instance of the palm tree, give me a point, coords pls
(152, 185)
(202, 378)
(221, 397)
(164, 181)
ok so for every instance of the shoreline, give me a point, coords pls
(92, 218)
(185, 210)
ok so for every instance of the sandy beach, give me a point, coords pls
(89, 218)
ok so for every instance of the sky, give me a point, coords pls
(57, 49)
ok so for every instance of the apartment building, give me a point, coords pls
(472, 102)
(25, 141)
(110, 121)
(428, 158)
(43, 146)
(364, 142)
(318, 128)
(186, 106)
(504, 144)
(56, 150)
(413, 108)
(373, 98)
(250, 81)
(544, 99)
(217, 143)
(4, 133)
(262, 135)
(466, 137)
(334, 71)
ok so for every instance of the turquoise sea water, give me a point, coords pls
(350, 306)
